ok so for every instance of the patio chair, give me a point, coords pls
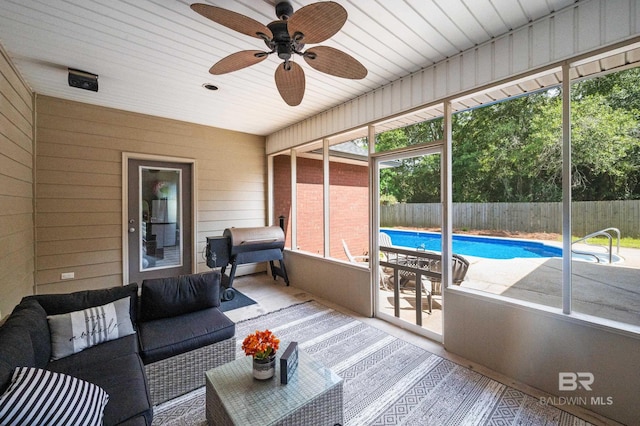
(384, 276)
(459, 269)
(386, 273)
(384, 240)
(352, 258)
(407, 277)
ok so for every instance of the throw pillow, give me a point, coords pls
(79, 330)
(42, 397)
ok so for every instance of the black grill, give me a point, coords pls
(238, 246)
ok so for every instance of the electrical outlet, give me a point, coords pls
(67, 275)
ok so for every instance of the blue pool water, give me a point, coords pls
(491, 248)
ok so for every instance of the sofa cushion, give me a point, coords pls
(42, 397)
(75, 331)
(55, 304)
(170, 297)
(122, 377)
(16, 350)
(30, 315)
(167, 337)
(96, 355)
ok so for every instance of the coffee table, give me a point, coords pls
(313, 395)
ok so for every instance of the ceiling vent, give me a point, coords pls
(83, 80)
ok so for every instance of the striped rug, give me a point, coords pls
(387, 381)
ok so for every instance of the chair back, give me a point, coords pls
(384, 240)
(459, 268)
(347, 252)
(352, 258)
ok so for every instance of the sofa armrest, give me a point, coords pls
(15, 351)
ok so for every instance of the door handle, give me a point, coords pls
(132, 230)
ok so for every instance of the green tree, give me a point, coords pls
(606, 154)
(502, 152)
(411, 180)
(511, 151)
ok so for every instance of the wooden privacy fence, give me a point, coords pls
(587, 216)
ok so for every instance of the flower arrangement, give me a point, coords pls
(261, 344)
(161, 190)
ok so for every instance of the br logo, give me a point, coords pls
(570, 381)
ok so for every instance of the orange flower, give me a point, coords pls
(260, 344)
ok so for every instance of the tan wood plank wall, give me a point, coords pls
(16, 187)
(79, 186)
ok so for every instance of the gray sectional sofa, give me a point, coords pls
(138, 351)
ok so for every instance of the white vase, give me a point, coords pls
(264, 369)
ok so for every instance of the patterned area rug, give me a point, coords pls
(387, 381)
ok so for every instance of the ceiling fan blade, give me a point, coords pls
(335, 62)
(290, 83)
(237, 61)
(241, 23)
(317, 21)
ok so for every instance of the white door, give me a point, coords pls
(406, 269)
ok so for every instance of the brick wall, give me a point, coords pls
(349, 211)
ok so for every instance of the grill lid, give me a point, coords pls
(254, 239)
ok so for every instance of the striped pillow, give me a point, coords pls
(79, 330)
(42, 397)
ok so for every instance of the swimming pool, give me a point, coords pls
(487, 247)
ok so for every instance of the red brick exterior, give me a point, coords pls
(349, 204)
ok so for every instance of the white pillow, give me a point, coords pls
(41, 398)
(79, 330)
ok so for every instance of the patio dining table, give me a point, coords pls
(411, 265)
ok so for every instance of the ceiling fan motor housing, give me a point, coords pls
(281, 39)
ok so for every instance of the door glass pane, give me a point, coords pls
(410, 241)
(161, 211)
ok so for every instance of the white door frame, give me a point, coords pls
(126, 156)
(436, 147)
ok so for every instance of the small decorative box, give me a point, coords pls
(288, 362)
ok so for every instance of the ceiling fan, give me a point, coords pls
(287, 36)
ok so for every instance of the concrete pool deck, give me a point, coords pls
(606, 291)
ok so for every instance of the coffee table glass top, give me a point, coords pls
(247, 399)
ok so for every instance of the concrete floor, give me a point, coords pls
(273, 295)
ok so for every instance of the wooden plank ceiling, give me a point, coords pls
(153, 56)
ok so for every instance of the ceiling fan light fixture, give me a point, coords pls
(284, 51)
